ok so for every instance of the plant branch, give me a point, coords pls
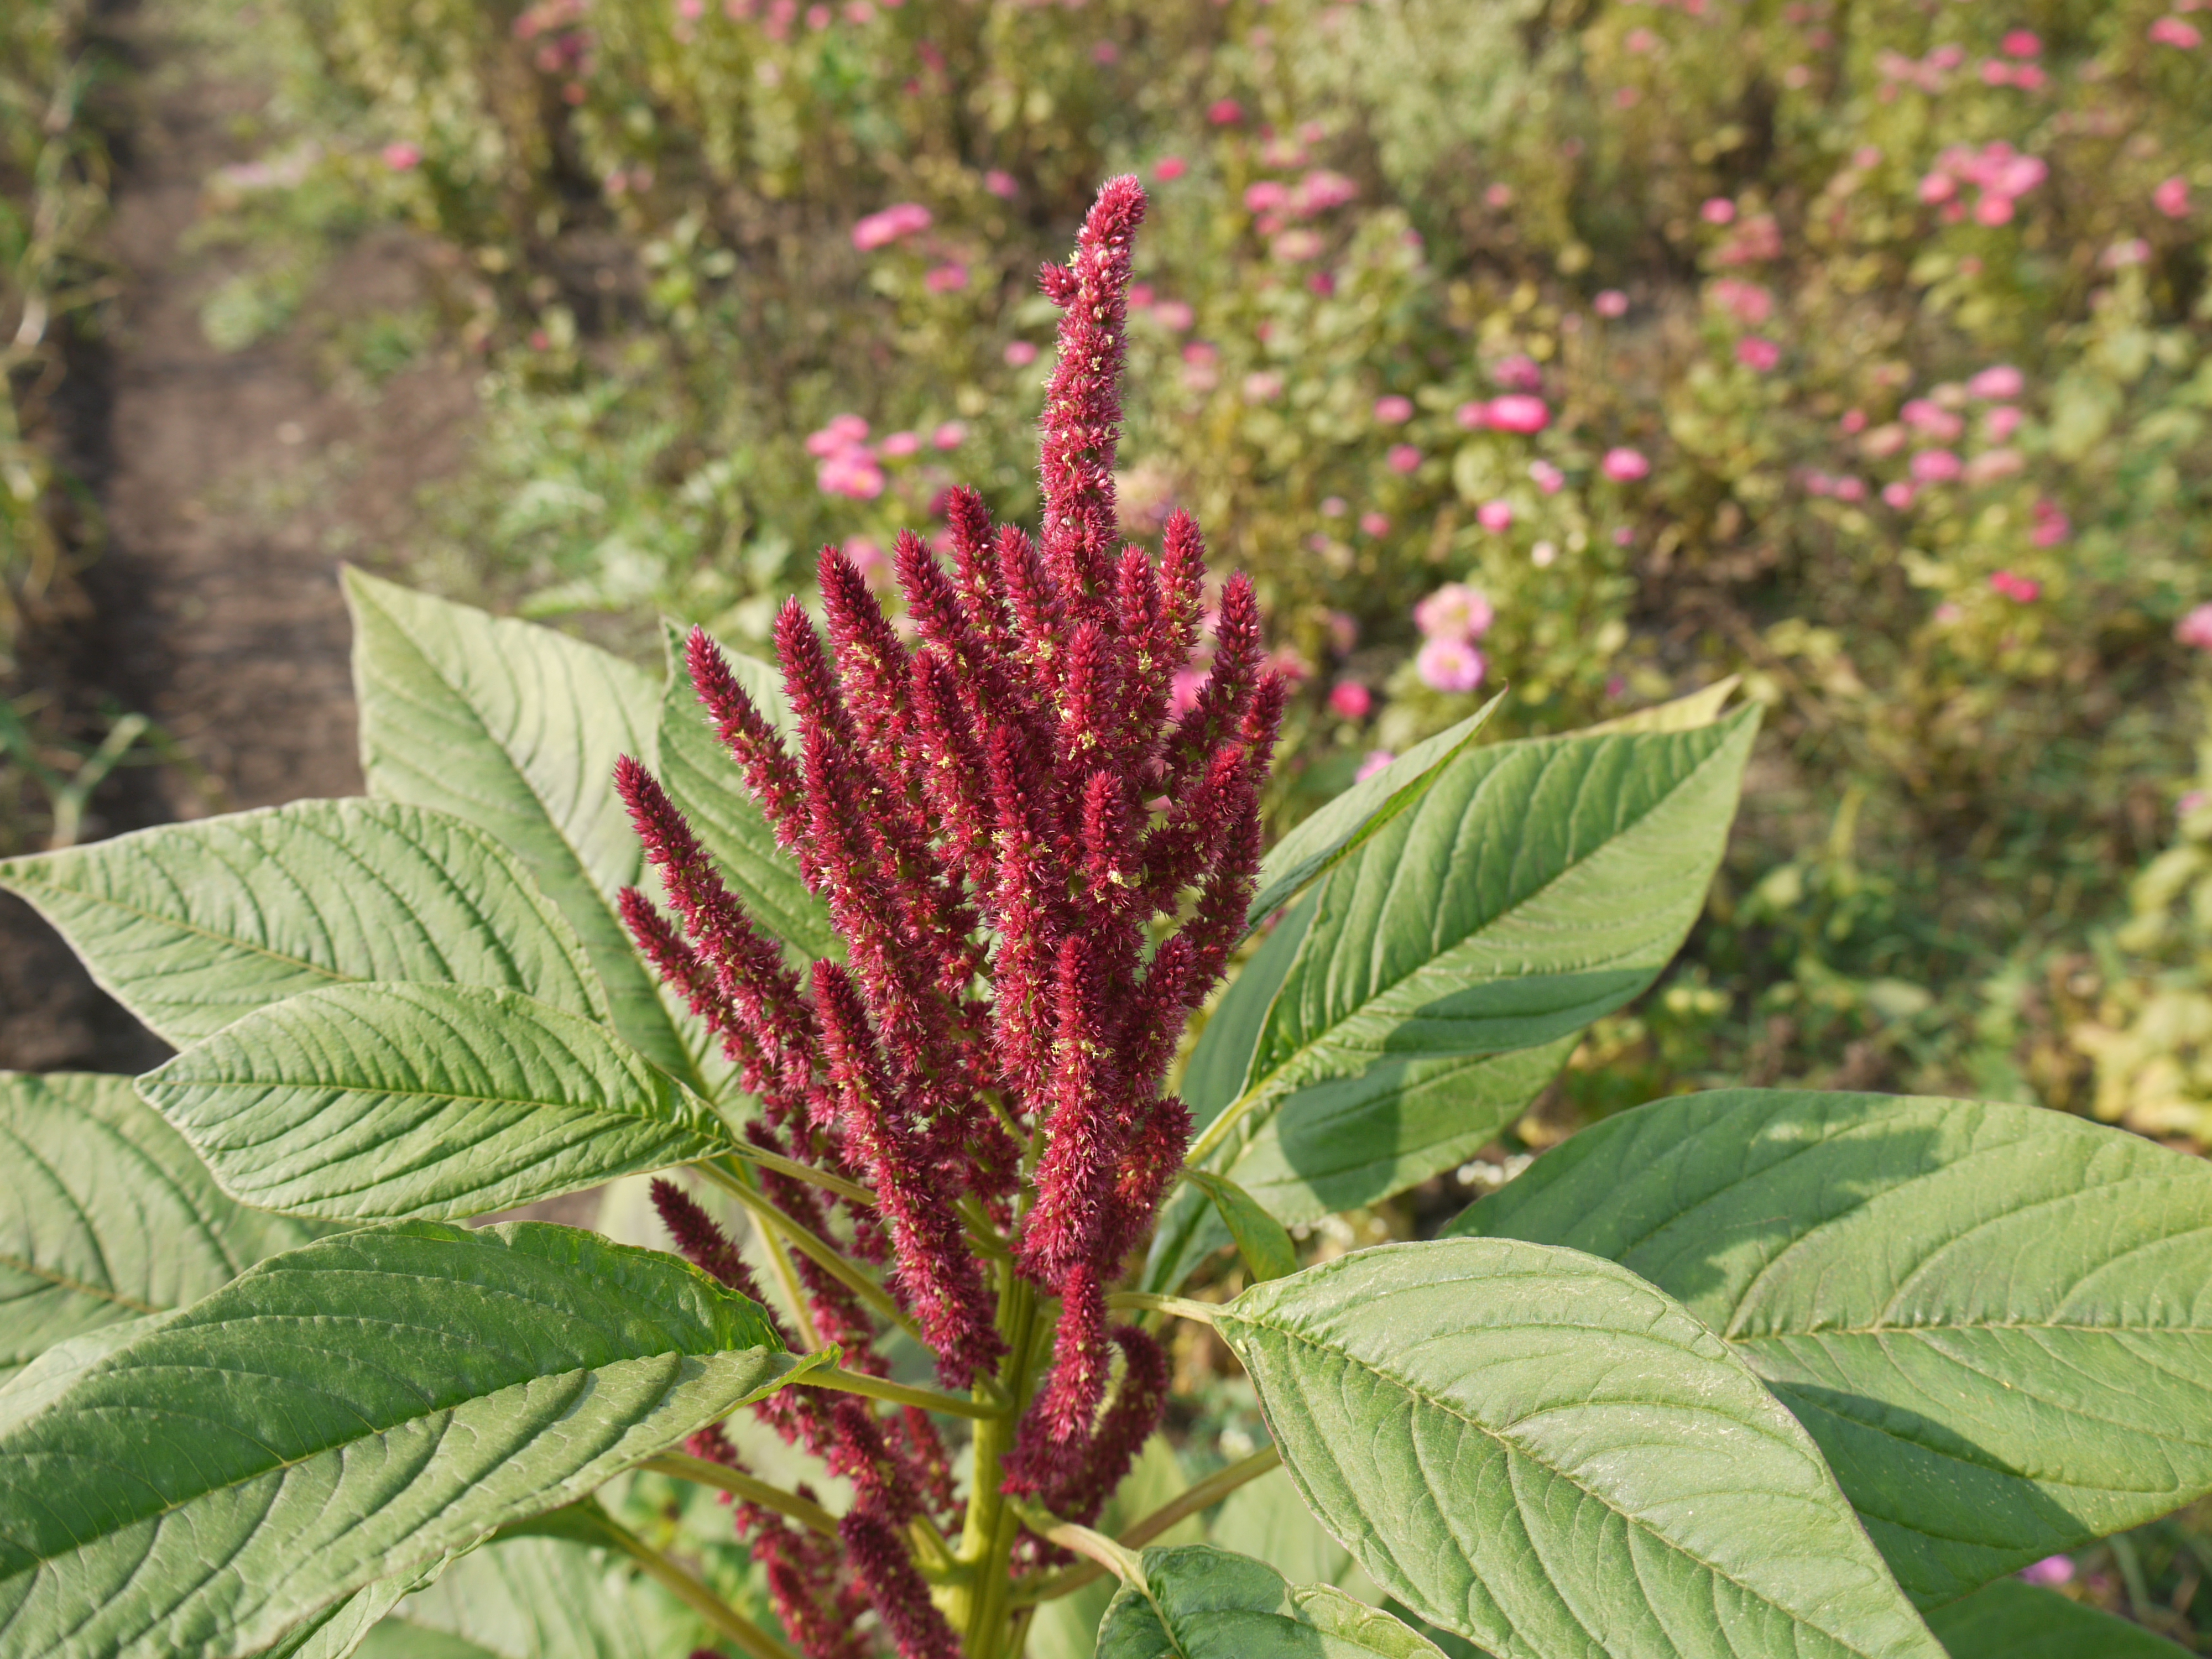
(698, 1470)
(754, 1642)
(1145, 1301)
(818, 1249)
(903, 1393)
(806, 1172)
(1109, 1556)
(1218, 1131)
(779, 1258)
(1198, 1499)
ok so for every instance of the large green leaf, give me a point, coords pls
(2012, 1620)
(1343, 826)
(1450, 964)
(1996, 1320)
(345, 1413)
(540, 1598)
(701, 778)
(342, 1630)
(191, 926)
(369, 1102)
(1539, 1450)
(516, 729)
(107, 1215)
(1200, 1602)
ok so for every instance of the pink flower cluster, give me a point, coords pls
(2195, 630)
(1276, 204)
(1007, 803)
(2021, 589)
(881, 229)
(1999, 174)
(2177, 32)
(1452, 618)
(1516, 412)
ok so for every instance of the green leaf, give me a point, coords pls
(1066, 1627)
(516, 729)
(348, 1412)
(1539, 1450)
(1452, 961)
(701, 778)
(543, 1598)
(340, 1631)
(107, 1215)
(1346, 824)
(369, 1102)
(1701, 707)
(1260, 1239)
(2012, 1620)
(192, 926)
(1200, 1602)
(1996, 1320)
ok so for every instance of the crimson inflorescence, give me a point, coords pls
(1038, 870)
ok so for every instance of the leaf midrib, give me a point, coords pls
(63, 1281)
(1513, 1449)
(1267, 1086)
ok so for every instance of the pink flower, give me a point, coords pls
(1993, 210)
(1001, 184)
(899, 444)
(1998, 383)
(1933, 466)
(1105, 52)
(1849, 489)
(1375, 524)
(882, 229)
(1377, 760)
(1295, 247)
(1332, 507)
(1931, 420)
(2195, 629)
(1183, 690)
(1898, 494)
(1020, 353)
(1625, 465)
(1496, 517)
(1992, 465)
(1757, 353)
(2001, 423)
(1262, 386)
(1518, 373)
(2022, 43)
(2173, 32)
(1610, 302)
(2052, 527)
(852, 473)
(2022, 590)
(1455, 611)
(1403, 457)
(1393, 410)
(1473, 415)
(2171, 197)
(1351, 699)
(1448, 665)
(1174, 314)
(1717, 210)
(1938, 187)
(1322, 190)
(1749, 303)
(1169, 168)
(950, 435)
(946, 279)
(402, 158)
(1225, 113)
(1498, 196)
(842, 433)
(1853, 422)
(1549, 478)
(1516, 412)
(1266, 196)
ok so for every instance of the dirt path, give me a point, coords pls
(229, 481)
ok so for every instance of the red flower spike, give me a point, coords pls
(898, 1591)
(972, 810)
(770, 773)
(1082, 420)
(940, 1277)
(704, 1244)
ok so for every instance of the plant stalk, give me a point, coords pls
(698, 1470)
(818, 1249)
(903, 1393)
(750, 1639)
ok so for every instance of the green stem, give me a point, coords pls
(1218, 1131)
(806, 1172)
(700, 1471)
(1108, 1555)
(750, 1638)
(779, 1258)
(903, 1393)
(987, 1535)
(1202, 1497)
(1145, 1301)
(818, 1249)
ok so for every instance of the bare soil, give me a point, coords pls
(230, 482)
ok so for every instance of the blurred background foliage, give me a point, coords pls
(1597, 349)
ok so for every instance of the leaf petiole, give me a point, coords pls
(818, 1249)
(1199, 1498)
(1146, 1301)
(700, 1471)
(901, 1394)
